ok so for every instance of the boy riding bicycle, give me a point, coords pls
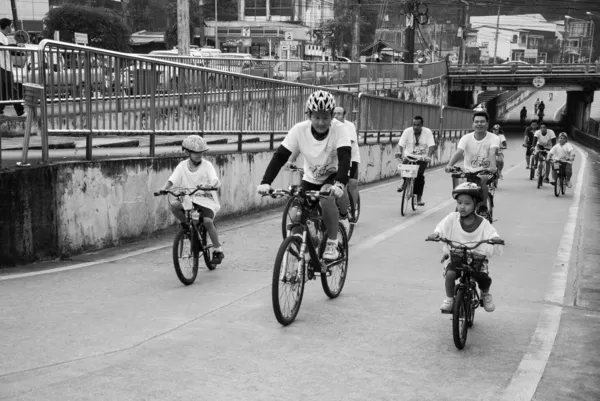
(190, 173)
(465, 226)
(496, 129)
(563, 152)
(326, 151)
(543, 139)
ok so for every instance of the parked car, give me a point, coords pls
(62, 78)
(258, 68)
(295, 71)
(330, 74)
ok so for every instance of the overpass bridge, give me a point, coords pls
(578, 80)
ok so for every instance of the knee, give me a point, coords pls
(176, 206)
(208, 222)
(450, 275)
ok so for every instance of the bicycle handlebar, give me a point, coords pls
(185, 191)
(275, 193)
(458, 172)
(465, 245)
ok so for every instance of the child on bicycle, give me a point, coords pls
(496, 129)
(465, 226)
(190, 173)
(563, 152)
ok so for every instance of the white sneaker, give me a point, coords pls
(488, 302)
(447, 305)
(331, 251)
(346, 224)
(569, 184)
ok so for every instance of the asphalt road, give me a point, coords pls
(118, 325)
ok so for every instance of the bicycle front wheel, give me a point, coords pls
(287, 218)
(541, 174)
(287, 286)
(531, 171)
(459, 320)
(563, 181)
(405, 196)
(334, 279)
(557, 184)
(185, 256)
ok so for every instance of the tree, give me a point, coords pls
(138, 15)
(105, 28)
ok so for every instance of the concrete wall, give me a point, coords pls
(64, 209)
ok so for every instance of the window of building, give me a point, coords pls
(256, 8)
(282, 7)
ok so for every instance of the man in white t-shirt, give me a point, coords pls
(416, 140)
(478, 149)
(543, 139)
(6, 75)
(339, 113)
(326, 150)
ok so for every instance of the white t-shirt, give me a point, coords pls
(320, 157)
(545, 140)
(5, 60)
(559, 152)
(206, 175)
(477, 153)
(451, 229)
(501, 138)
(353, 141)
(408, 141)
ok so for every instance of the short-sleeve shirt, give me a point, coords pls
(477, 153)
(353, 141)
(320, 157)
(545, 140)
(451, 229)
(206, 175)
(501, 138)
(411, 146)
(565, 151)
(5, 61)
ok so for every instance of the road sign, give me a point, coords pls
(288, 35)
(285, 47)
(81, 38)
(246, 31)
(538, 81)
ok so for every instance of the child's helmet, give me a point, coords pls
(468, 188)
(194, 143)
(563, 135)
(320, 100)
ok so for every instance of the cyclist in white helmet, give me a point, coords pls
(190, 173)
(465, 226)
(326, 150)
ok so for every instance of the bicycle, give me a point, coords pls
(294, 202)
(458, 173)
(466, 295)
(300, 257)
(409, 172)
(191, 241)
(540, 166)
(561, 178)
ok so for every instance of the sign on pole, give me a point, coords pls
(81, 38)
(539, 81)
(246, 31)
(57, 36)
(288, 35)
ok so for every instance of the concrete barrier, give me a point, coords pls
(64, 209)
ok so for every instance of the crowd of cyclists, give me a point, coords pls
(328, 144)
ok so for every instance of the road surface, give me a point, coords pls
(118, 325)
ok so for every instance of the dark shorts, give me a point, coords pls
(205, 211)
(309, 186)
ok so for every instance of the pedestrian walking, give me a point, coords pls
(7, 84)
(536, 106)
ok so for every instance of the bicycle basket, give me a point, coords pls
(408, 170)
(473, 262)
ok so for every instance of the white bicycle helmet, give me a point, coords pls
(563, 134)
(194, 143)
(320, 100)
(468, 188)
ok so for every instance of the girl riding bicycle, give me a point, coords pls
(190, 173)
(466, 226)
(563, 152)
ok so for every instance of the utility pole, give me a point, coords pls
(18, 25)
(463, 45)
(201, 20)
(183, 27)
(216, 27)
(410, 36)
(496, 40)
(356, 34)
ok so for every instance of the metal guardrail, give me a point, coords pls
(94, 92)
(525, 70)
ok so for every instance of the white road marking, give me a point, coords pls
(525, 380)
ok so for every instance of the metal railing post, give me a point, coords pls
(88, 105)
(153, 89)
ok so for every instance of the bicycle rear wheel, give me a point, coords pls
(206, 250)
(459, 320)
(287, 217)
(185, 256)
(405, 196)
(334, 279)
(287, 287)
